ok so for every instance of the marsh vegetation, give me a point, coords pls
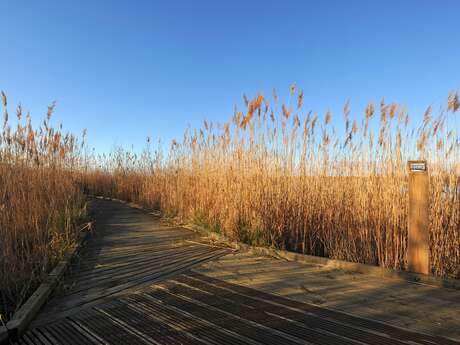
(276, 174)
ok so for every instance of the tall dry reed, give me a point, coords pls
(278, 175)
(40, 201)
(274, 175)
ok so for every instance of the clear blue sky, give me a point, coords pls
(126, 70)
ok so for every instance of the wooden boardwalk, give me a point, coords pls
(135, 283)
(130, 249)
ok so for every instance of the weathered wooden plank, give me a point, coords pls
(208, 292)
(87, 332)
(98, 293)
(256, 317)
(81, 275)
(67, 307)
(107, 329)
(149, 327)
(219, 319)
(27, 312)
(114, 277)
(102, 268)
(359, 322)
(133, 240)
(67, 334)
(182, 321)
(40, 337)
(26, 339)
(85, 264)
(54, 338)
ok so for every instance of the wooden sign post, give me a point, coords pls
(418, 245)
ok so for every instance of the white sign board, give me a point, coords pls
(417, 166)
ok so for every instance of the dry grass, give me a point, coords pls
(40, 201)
(274, 175)
(279, 176)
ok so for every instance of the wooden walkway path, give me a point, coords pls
(135, 284)
(130, 249)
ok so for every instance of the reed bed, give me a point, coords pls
(40, 202)
(275, 175)
(278, 175)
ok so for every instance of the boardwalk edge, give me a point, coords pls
(333, 263)
(27, 312)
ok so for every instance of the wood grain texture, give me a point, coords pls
(129, 248)
(194, 308)
(418, 250)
